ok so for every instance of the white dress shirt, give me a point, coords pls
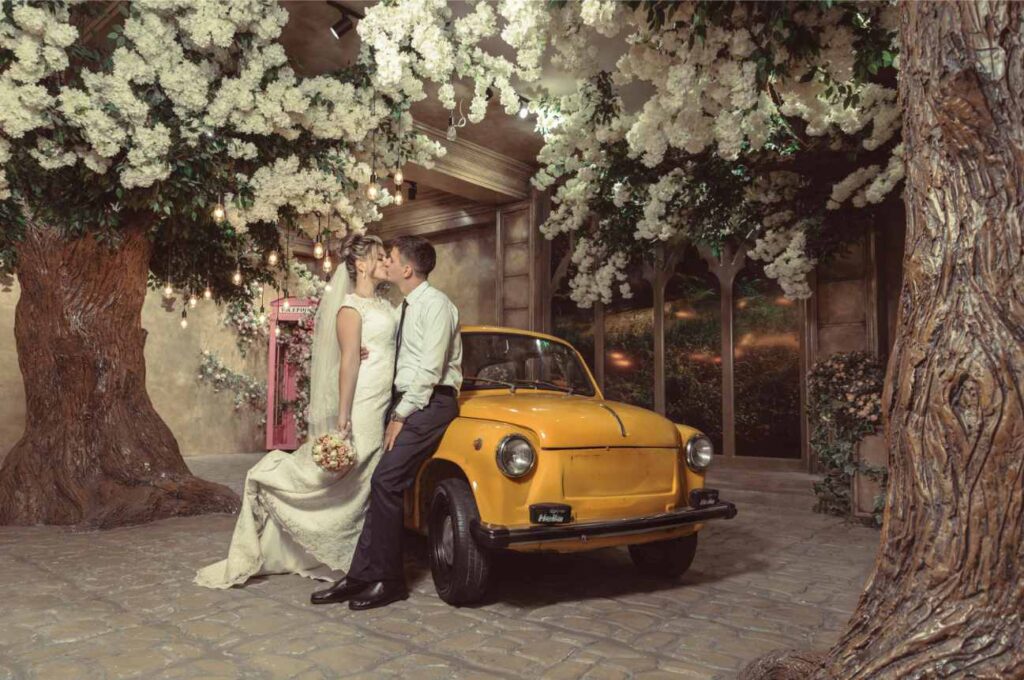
(431, 348)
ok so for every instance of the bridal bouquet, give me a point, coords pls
(333, 453)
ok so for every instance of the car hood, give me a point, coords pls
(564, 421)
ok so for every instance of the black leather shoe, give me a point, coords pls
(339, 592)
(378, 594)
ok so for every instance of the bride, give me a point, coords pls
(297, 518)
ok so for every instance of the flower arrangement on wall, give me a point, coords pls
(250, 324)
(844, 402)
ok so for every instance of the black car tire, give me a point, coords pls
(461, 569)
(669, 558)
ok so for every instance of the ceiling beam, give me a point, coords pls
(473, 171)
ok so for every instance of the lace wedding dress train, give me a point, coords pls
(295, 517)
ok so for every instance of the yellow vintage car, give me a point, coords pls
(539, 460)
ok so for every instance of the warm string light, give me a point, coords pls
(219, 213)
(168, 289)
(399, 196)
(193, 300)
(286, 305)
(277, 331)
(236, 278)
(318, 249)
(399, 177)
(184, 319)
(328, 265)
(208, 293)
(373, 191)
(272, 258)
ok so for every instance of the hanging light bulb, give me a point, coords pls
(328, 265)
(399, 196)
(272, 258)
(193, 300)
(262, 318)
(523, 111)
(286, 305)
(277, 331)
(327, 287)
(399, 177)
(168, 289)
(452, 132)
(318, 249)
(236, 278)
(373, 191)
(218, 213)
(208, 293)
(184, 318)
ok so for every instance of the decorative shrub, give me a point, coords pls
(844, 404)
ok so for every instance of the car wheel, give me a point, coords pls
(665, 558)
(460, 567)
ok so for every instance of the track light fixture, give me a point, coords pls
(345, 23)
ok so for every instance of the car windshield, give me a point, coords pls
(496, 360)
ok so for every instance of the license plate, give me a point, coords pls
(702, 498)
(550, 513)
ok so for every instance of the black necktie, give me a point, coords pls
(398, 338)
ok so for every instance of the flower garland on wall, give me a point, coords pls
(844, 404)
(250, 325)
(248, 392)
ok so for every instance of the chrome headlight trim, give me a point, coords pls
(699, 459)
(500, 452)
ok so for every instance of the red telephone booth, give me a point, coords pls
(282, 376)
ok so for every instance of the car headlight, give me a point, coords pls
(516, 456)
(699, 453)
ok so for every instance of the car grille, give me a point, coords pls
(598, 473)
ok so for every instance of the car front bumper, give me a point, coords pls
(495, 536)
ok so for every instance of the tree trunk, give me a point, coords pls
(94, 451)
(947, 592)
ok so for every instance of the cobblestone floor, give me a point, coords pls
(121, 604)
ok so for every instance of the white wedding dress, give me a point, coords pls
(295, 517)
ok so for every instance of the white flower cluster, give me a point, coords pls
(597, 273)
(870, 184)
(655, 225)
(785, 252)
(221, 70)
(704, 95)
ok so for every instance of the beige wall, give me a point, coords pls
(12, 401)
(202, 422)
(466, 273)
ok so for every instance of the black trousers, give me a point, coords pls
(378, 555)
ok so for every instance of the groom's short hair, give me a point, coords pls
(418, 252)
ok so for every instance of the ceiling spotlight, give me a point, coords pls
(341, 27)
(344, 24)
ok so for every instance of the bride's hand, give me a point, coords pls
(344, 426)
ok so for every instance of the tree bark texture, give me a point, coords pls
(94, 452)
(947, 593)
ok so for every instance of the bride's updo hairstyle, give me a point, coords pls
(358, 247)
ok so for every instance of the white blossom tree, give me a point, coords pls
(166, 150)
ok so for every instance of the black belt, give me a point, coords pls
(446, 390)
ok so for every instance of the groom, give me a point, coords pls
(428, 375)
